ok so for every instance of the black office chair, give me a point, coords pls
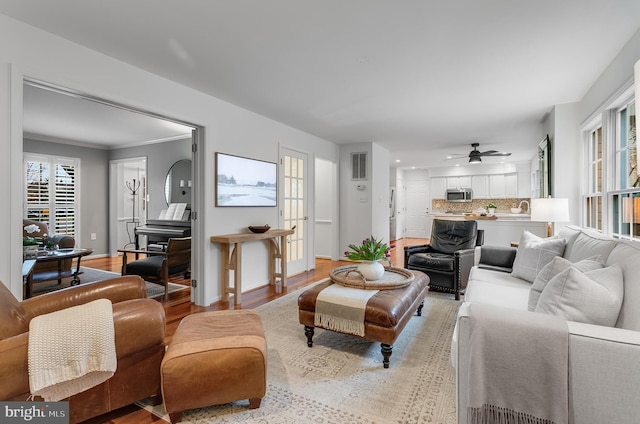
(449, 256)
(158, 266)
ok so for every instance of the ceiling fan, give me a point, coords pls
(475, 155)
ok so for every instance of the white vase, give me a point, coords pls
(492, 210)
(371, 270)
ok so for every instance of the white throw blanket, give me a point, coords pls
(71, 350)
(518, 367)
(342, 309)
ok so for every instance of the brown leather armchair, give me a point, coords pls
(139, 337)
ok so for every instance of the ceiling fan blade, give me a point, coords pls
(494, 153)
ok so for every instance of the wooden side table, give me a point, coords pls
(232, 259)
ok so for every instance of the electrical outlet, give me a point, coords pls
(94, 236)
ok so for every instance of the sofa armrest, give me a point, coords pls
(14, 370)
(463, 261)
(116, 290)
(139, 326)
(603, 371)
(498, 258)
(63, 241)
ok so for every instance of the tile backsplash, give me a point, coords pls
(503, 205)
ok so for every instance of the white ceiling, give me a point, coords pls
(422, 78)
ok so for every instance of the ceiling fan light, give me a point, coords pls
(475, 159)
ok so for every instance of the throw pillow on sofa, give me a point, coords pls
(555, 267)
(534, 253)
(593, 297)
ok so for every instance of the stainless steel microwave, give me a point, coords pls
(459, 195)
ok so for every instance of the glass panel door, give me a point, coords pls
(294, 209)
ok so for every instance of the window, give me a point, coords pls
(625, 198)
(51, 192)
(594, 191)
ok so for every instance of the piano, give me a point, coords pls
(161, 230)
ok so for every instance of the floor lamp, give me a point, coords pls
(550, 210)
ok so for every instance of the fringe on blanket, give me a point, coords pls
(491, 414)
(341, 325)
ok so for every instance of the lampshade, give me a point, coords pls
(475, 159)
(550, 210)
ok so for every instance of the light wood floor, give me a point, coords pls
(179, 305)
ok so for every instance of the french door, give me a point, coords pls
(293, 208)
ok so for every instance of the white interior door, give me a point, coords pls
(417, 202)
(293, 208)
(128, 201)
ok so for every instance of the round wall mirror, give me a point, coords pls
(177, 186)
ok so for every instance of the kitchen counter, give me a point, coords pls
(500, 216)
(504, 230)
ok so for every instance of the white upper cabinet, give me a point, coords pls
(480, 186)
(511, 185)
(438, 186)
(459, 182)
(497, 186)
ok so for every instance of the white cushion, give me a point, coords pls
(534, 253)
(593, 297)
(553, 268)
(497, 288)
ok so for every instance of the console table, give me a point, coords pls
(232, 259)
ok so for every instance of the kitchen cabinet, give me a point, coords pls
(497, 186)
(480, 186)
(459, 182)
(511, 185)
(438, 187)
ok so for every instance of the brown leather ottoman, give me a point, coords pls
(214, 358)
(386, 314)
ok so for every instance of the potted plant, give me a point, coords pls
(491, 208)
(30, 243)
(370, 252)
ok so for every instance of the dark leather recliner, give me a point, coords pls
(449, 256)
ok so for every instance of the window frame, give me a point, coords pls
(612, 210)
(62, 190)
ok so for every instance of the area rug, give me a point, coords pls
(341, 378)
(91, 275)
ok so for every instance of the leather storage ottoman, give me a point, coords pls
(386, 314)
(214, 358)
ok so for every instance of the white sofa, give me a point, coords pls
(604, 362)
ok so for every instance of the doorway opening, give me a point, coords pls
(103, 131)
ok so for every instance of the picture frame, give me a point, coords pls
(544, 168)
(245, 182)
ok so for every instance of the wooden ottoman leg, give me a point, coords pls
(386, 350)
(308, 331)
(419, 312)
(254, 403)
(175, 417)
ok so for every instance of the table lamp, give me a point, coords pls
(550, 210)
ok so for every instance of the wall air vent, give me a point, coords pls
(359, 166)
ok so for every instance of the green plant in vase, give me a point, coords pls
(370, 252)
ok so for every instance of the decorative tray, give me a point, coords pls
(471, 216)
(393, 278)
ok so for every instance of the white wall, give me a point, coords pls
(27, 52)
(326, 220)
(364, 212)
(565, 121)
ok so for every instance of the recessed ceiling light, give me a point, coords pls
(397, 160)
